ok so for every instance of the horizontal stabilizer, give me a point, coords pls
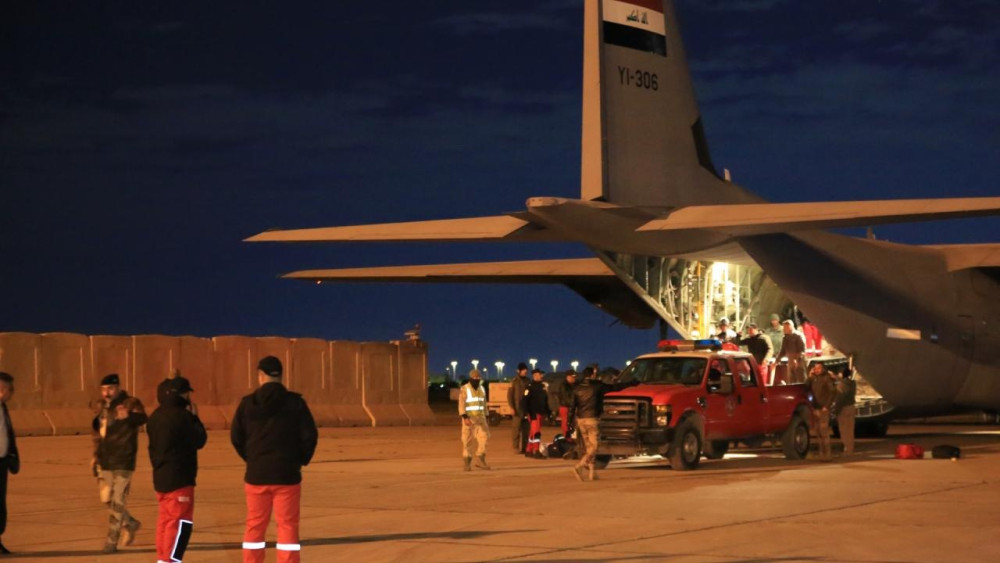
(588, 277)
(498, 228)
(762, 218)
(965, 256)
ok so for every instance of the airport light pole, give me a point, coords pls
(454, 370)
(499, 366)
(555, 364)
(533, 361)
(575, 364)
(475, 363)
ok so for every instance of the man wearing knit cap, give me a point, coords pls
(116, 442)
(472, 408)
(275, 434)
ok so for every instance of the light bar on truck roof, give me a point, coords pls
(689, 345)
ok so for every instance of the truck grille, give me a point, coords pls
(622, 417)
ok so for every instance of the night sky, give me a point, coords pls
(140, 143)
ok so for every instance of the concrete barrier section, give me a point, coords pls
(310, 369)
(413, 382)
(235, 370)
(19, 356)
(380, 375)
(345, 386)
(156, 356)
(196, 364)
(67, 381)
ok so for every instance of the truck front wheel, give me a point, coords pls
(601, 461)
(795, 440)
(686, 450)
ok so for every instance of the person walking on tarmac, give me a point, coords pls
(175, 436)
(566, 402)
(822, 390)
(275, 434)
(536, 406)
(116, 443)
(588, 398)
(472, 409)
(515, 395)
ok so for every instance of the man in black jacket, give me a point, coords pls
(515, 399)
(9, 461)
(175, 436)
(116, 442)
(588, 399)
(536, 406)
(274, 432)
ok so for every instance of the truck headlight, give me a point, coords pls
(663, 415)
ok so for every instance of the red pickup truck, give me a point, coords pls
(693, 399)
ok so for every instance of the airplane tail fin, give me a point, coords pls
(643, 141)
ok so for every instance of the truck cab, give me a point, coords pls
(693, 398)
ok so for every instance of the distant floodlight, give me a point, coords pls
(555, 364)
(533, 361)
(575, 364)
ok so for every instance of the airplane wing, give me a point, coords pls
(589, 277)
(763, 218)
(496, 228)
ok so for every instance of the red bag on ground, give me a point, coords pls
(909, 451)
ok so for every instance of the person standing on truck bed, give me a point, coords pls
(515, 395)
(844, 409)
(588, 401)
(774, 332)
(758, 345)
(793, 347)
(536, 405)
(822, 390)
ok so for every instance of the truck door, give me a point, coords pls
(750, 411)
(718, 407)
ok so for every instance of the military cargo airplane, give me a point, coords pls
(922, 322)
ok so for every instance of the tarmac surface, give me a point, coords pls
(399, 494)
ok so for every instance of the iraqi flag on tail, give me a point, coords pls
(635, 24)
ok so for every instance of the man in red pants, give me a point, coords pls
(175, 436)
(536, 406)
(274, 432)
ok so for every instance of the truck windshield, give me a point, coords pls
(667, 371)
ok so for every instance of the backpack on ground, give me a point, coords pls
(945, 451)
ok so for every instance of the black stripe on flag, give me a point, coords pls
(635, 38)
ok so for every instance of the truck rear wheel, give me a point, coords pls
(686, 450)
(795, 440)
(716, 449)
(601, 461)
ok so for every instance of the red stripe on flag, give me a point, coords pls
(655, 5)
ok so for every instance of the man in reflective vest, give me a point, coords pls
(274, 432)
(472, 409)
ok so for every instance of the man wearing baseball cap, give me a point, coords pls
(175, 436)
(274, 432)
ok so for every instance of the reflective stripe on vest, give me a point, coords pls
(254, 545)
(474, 402)
(288, 547)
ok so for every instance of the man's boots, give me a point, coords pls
(468, 463)
(481, 462)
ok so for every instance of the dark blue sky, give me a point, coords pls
(140, 144)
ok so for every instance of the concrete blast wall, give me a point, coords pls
(57, 376)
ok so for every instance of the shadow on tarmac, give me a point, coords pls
(236, 546)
